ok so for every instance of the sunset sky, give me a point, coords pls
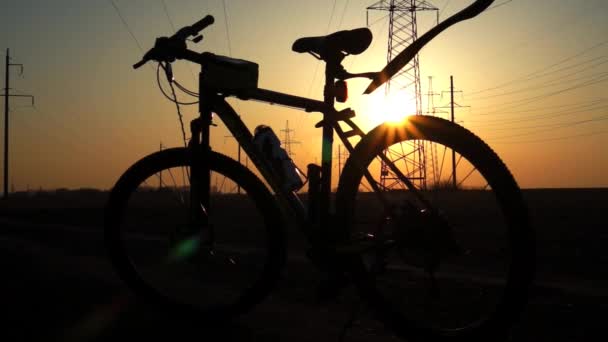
(534, 73)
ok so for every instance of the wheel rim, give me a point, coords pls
(474, 285)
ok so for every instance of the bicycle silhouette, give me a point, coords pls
(433, 261)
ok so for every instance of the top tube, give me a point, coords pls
(273, 97)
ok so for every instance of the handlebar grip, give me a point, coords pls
(194, 29)
(201, 24)
(139, 64)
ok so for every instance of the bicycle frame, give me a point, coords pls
(211, 101)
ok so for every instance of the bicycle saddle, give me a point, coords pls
(352, 42)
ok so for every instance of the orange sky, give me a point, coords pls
(532, 72)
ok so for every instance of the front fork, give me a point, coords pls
(200, 176)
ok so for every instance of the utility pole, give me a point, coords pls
(452, 106)
(7, 95)
(160, 174)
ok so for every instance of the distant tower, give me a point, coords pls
(287, 141)
(430, 149)
(402, 32)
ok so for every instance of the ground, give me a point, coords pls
(57, 283)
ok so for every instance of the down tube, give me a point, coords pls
(287, 199)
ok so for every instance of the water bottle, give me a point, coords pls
(266, 140)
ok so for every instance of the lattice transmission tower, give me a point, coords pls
(288, 140)
(403, 31)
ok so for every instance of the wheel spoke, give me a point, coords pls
(466, 177)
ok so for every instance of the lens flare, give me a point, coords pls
(184, 249)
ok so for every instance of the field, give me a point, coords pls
(59, 284)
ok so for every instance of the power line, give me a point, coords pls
(539, 117)
(521, 102)
(314, 75)
(532, 110)
(343, 13)
(301, 115)
(378, 20)
(444, 7)
(375, 41)
(535, 36)
(552, 139)
(556, 111)
(549, 127)
(567, 59)
(550, 82)
(174, 30)
(124, 22)
(566, 68)
(168, 17)
(498, 5)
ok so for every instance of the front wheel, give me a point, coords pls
(446, 252)
(211, 269)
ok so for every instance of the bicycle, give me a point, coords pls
(406, 240)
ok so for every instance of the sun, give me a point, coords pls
(392, 108)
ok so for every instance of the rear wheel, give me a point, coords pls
(444, 257)
(215, 271)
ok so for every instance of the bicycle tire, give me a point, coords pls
(521, 266)
(117, 208)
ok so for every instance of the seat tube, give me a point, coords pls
(327, 147)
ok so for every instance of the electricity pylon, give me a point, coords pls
(403, 31)
(287, 140)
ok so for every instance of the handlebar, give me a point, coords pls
(163, 47)
(194, 29)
